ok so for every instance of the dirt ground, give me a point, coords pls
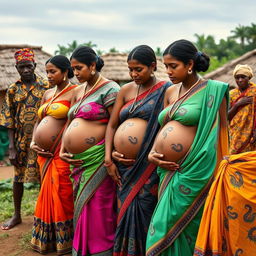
(11, 240)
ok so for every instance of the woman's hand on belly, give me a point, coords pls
(41, 151)
(156, 159)
(120, 158)
(68, 158)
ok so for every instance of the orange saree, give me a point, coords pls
(228, 225)
(53, 219)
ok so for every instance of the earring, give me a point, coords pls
(93, 73)
(152, 74)
(64, 79)
(190, 71)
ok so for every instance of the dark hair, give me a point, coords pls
(144, 54)
(63, 63)
(87, 56)
(183, 50)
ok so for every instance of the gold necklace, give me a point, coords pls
(134, 107)
(85, 94)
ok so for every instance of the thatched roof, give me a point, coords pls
(8, 72)
(115, 68)
(225, 73)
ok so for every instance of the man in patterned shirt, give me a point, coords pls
(18, 115)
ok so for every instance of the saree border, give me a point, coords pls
(137, 187)
(185, 219)
(89, 190)
(53, 150)
(181, 224)
(104, 253)
(140, 97)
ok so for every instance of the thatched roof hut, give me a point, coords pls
(225, 73)
(115, 68)
(8, 72)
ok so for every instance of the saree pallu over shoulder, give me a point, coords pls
(228, 223)
(174, 225)
(138, 195)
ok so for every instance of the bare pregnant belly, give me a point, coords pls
(129, 136)
(174, 140)
(47, 131)
(83, 134)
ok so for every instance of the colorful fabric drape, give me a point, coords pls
(174, 225)
(228, 224)
(53, 220)
(19, 112)
(94, 190)
(138, 195)
(243, 123)
(95, 203)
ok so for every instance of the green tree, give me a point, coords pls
(158, 51)
(241, 33)
(67, 50)
(113, 50)
(251, 36)
(206, 43)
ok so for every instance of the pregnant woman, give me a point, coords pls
(132, 129)
(84, 148)
(187, 149)
(53, 220)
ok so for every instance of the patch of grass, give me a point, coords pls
(24, 242)
(28, 201)
(3, 236)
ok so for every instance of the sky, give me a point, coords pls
(118, 23)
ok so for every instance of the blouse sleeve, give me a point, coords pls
(7, 114)
(110, 96)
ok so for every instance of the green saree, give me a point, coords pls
(175, 222)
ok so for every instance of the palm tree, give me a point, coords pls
(252, 35)
(206, 43)
(62, 50)
(241, 33)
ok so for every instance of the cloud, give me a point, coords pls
(120, 24)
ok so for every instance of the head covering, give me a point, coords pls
(243, 70)
(25, 54)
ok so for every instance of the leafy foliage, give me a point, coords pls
(28, 202)
(241, 40)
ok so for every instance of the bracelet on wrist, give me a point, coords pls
(32, 143)
(108, 164)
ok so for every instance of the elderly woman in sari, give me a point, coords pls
(242, 114)
(84, 148)
(192, 138)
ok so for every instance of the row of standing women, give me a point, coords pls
(139, 185)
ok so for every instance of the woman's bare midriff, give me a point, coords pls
(83, 134)
(47, 131)
(129, 136)
(174, 140)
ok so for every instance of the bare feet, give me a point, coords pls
(15, 220)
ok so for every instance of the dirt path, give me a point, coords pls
(15, 242)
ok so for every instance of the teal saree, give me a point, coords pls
(175, 222)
